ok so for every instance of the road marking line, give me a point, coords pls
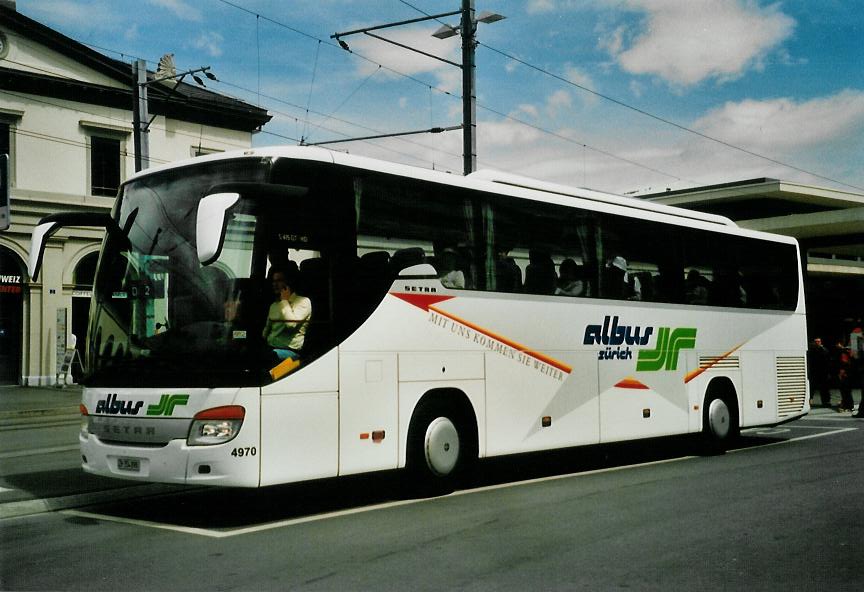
(249, 529)
(796, 427)
(219, 534)
(340, 513)
(37, 451)
(808, 437)
(351, 511)
(135, 522)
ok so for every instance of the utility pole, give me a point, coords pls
(469, 107)
(141, 118)
(468, 31)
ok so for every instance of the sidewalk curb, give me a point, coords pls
(52, 412)
(32, 507)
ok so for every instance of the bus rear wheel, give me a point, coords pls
(719, 424)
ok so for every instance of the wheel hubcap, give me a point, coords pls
(441, 446)
(718, 418)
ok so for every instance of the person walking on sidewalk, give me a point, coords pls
(819, 368)
(856, 350)
(843, 364)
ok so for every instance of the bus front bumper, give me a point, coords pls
(175, 462)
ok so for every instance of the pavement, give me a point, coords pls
(39, 460)
(17, 402)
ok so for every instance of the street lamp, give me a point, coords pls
(468, 29)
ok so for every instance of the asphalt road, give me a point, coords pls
(781, 513)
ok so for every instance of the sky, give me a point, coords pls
(628, 96)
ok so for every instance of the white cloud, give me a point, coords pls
(687, 42)
(547, 6)
(211, 43)
(540, 6)
(558, 101)
(528, 109)
(181, 9)
(403, 60)
(578, 77)
(822, 135)
(783, 124)
(84, 16)
(132, 33)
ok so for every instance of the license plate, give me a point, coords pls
(132, 465)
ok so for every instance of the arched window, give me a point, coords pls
(85, 271)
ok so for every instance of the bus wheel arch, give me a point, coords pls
(442, 440)
(721, 421)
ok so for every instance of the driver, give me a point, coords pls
(288, 317)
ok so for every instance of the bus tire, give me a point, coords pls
(719, 421)
(440, 448)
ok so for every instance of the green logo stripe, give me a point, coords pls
(665, 355)
(651, 360)
(166, 404)
(681, 339)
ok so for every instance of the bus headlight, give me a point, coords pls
(216, 426)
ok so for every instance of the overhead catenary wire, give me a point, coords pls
(538, 128)
(308, 110)
(646, 113)
(346, 99)
(445, 92)
(311, 87)
(124, 120)
(665, 120)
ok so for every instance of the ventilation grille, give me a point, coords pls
(791, 386)
(719, 362)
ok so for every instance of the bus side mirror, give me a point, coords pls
(51, 224)
(40, 236)
(211, 223)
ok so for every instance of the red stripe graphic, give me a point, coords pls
(690, 376)
(631, 383)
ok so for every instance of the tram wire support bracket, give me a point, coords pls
(468, 30)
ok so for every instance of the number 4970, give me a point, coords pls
(239, 452)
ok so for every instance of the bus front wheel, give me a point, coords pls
(438, 449)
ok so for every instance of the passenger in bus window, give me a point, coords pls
(696, 288)
(288, 317)
(447, 267)
(508, 276)
(572, 280)
(620, 283)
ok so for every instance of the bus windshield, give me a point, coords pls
(159, 316)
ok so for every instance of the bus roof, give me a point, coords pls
(479, 179)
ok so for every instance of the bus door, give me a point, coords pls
(294, 230)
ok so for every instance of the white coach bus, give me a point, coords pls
(453, 318)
